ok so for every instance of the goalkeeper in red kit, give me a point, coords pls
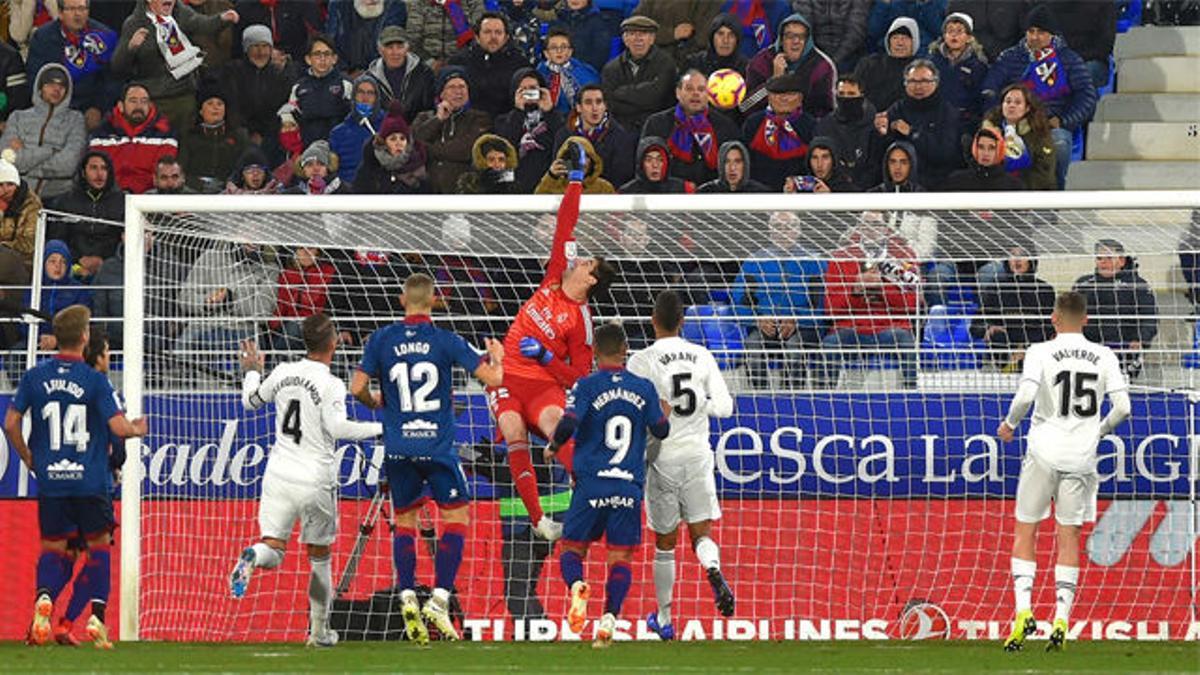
(548, 348)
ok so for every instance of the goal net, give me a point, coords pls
(872, 345)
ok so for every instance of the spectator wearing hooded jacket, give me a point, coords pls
(316, 170)
(45, 142)
(724, 47)
(59, 289)
(258, 84)
(95, 196)
(251, 175)
(997, 22)
(590, 33)
(439, 30)
(882, 73)
(530, 126)
(135, 135)
(210, 147)
(639, 82)
(1054, 73)
(1122, 311)
(987, 172)
(494, 160)
(565, 75)
(362, 122)
(851, 127)
(401, 74)
(490, 61)
(822, 164)
(1028, 150)
(963, 65)
(778, 136)
(1014, 310)
(450, 130)
(759, 21)
(654, 170)
(555, 181)
(321, 97)
(19, 209)
(899, 169)
(693, 130)
(232, 283)
(926, 121)
(927, 14)
(733, 171)
(85, 48)
(356, 26)
(615, 146)
(393, 162)
(839, 28)
(793, 53)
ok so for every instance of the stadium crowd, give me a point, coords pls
(102, 99)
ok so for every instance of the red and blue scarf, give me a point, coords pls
(756, 26)
(458, 20)
(777, 137)
(88, 51)
(597, 131)
(1047, 76)
(689, 129)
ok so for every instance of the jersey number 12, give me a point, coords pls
(424, 376)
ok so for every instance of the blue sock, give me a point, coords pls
(620, 577)
(53, 573)
(571, 564)
(404, 554)
(449, 555)
(93, 583)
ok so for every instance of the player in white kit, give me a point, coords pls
(300, 481)
(1065, 379)
(680, 481)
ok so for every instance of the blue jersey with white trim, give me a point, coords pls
(413, 362)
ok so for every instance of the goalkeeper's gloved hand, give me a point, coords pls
(531, 348)
(577, 162)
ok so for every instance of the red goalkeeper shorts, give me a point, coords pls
(528, 398)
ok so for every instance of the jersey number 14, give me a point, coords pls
(69, 429)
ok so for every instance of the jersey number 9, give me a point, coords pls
(618, 435)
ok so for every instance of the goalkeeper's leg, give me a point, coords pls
(520, 462)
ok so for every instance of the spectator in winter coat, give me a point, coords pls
(347, 138)
(450, 130)
(615, 146)
(320, 99)
(163, 276)
(211, 146)
(258, 85)
(303, 290)
(355, 26)
(19, 210)
(1028, 150)
(852, 129)
(926, 121)
(839, 28)
(882, 73)
(693, 130)
(794, 54)
(46, 141)
(252, 175)
(899, 169)
(987, 172)
(490, 61)
(85, 48)
(962, 64)
(724, 48)
(555, 180)
(565, 75)
(439, 30)
(59, 289)
(681, 24)
(135, 135)
(1014, 311)
(317, 172)
(1055, 74)
(530, 126)
(14, 85)
(997, 22)
(401, 74)
(233, 283)
(495, 168)
(1122, 312)
(1090, 27)
(170, 178)
(759, 21)
(291, 22)
(96, 197)
(821, 164)
(654, 170)
(733, 171)
(156, 50)
(778, 136)
(590, 33)
(639, 82)
(927, 14)
(393, 163)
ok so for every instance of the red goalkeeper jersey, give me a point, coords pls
(562, 325)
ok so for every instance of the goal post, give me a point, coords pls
(856, 504)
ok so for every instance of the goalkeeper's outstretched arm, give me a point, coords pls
(563, 248)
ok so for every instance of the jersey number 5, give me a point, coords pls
(680, 389)
(70, 429)
(1083, 393)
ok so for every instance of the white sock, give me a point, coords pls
(1066, 579)
(708, 553)
(320, 588)
(664, 583)
(1022, 573)
(265, 556)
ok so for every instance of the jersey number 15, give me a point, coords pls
(1077, 393)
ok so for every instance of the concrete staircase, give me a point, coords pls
(1147, 135)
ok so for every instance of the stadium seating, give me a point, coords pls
(717, 328)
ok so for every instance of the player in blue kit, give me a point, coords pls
(608, 413)
(76, 413)
(413, 362)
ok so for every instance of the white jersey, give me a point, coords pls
(310, 417)
(686, 376)
(1073, 375)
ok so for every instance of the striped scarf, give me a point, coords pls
(777, 137)
(689, 128)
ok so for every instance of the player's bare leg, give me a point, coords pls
(446, 563)
(320, 592)
(404, 557)
(664, 584)
(1024, 566)
(570, 563)
(266, 554)
(547, 423)
(53, 572)
(620, 578)
(710, 559)
(1066, 580)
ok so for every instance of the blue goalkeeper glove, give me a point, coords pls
(531, 348)
(577, 162)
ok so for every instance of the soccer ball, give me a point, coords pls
(726, 88)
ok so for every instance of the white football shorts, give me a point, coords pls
(1073, 494)
(681, 491)
(283, 503)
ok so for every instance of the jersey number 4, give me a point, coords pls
(291, 421)
(69, 429)
(1081, 397)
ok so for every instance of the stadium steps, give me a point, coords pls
(1147, 136)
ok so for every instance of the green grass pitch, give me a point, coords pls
(488, 657)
